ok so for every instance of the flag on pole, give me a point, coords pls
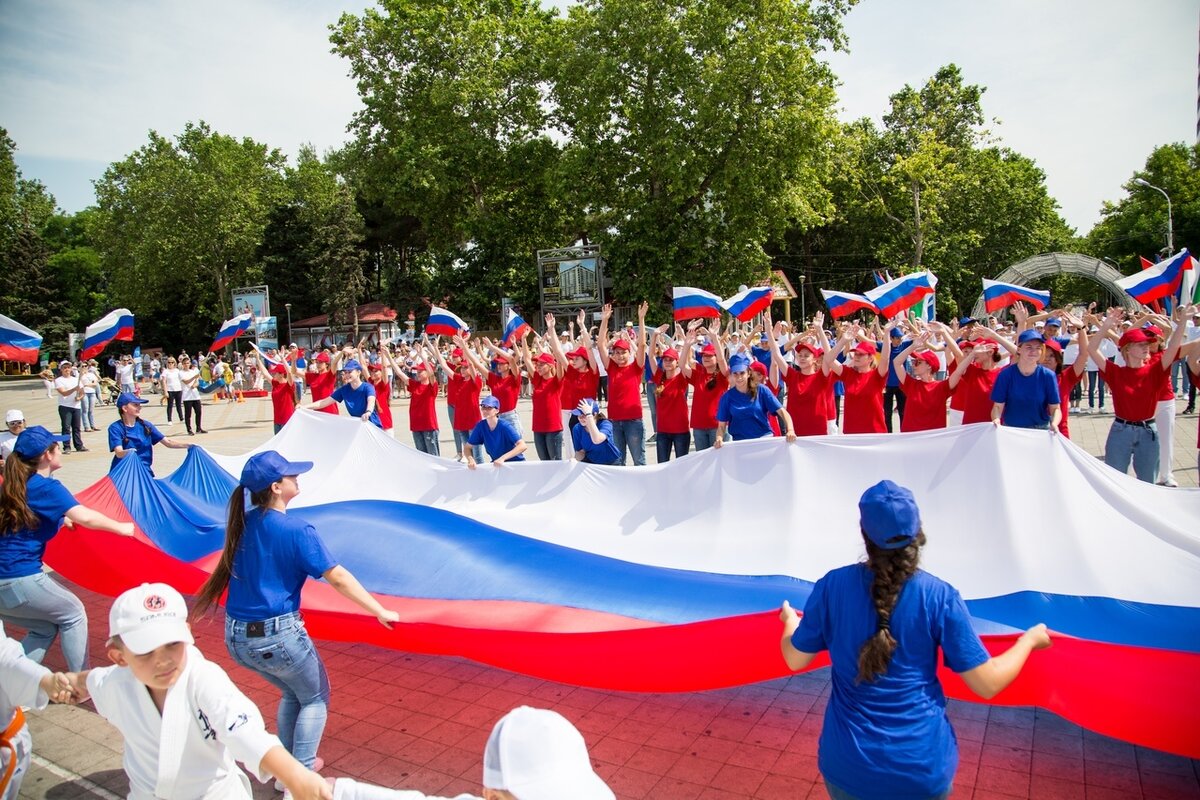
(268, 360)
(902, 293)
(690, 303)
(231, 329)
(843, 304)
(998, 295)
(744, 305)
(1189, 288)
(115, 326)
(18, 343)
(443, 323)
(515, 328)
(1159, 281)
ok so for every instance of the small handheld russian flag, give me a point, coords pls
(515, 328)
(113, 326)
(747, 303)
(1158, 282)
(18, 343)
(843, 304)
(690, 303)
(998, 295)
(231, 329)
(443, 323)
(902, 293)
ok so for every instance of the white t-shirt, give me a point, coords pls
(91, 381)
(191, 749)
(8, 440)
(189, 392)
(125, 374)
(19, 678)
(1071, 354)
(170, 379)
(68, 384)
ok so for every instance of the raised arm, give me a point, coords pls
(602, 335)
(640, 356)
(1180, 318)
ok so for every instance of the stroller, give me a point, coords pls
(109, 391)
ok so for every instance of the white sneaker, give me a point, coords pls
(318, 765)
(1170, 483)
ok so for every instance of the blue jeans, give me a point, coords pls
(1094, 381)
(1136, 443)
(841, 794)
(460, 437)
(652, 401)
(678, 442)
(515, 419)
(705, 438)
(44, 608)
(549, 445)
(427, 442)
(631, 433)
(89, 408)
(286, 657)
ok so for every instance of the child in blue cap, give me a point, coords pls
(886, 733)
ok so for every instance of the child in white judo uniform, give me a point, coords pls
(184, 721)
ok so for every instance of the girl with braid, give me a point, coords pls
(886, 733)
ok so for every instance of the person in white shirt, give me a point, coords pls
(70, 405)
(185, 723)
(14, 421)
(90, 379)
(125, 375)
(189, 377)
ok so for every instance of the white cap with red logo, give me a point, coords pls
(148, 617)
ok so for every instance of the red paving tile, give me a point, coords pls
(407, 720)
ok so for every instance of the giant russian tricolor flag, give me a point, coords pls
(843, 304)
(747, 303)
(998, 295)
(617, 578)
(18, 343)
(1158, 282)
(231, 329)
(902, 293)
(691, 303)
(515, 328)
(113, 326)
(443, 323)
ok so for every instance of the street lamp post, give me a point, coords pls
(1170, 221)
(288, 308)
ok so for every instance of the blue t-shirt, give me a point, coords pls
(888, 738)
(604, 453)
(1025, 397)
(762, 355)
(746, 415)
(277, 554)
(141, 436)
(893, 380)
(21, 551)
(355, 400)
(497, 441)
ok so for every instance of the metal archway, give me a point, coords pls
(1024, 272)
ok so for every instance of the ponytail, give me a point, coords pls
(891, 570)
(15, 513)
(235, 525)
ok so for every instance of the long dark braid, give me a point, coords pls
(891, 569)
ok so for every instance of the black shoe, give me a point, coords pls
(201, 430)
(1190, 410)
(81, 450)
(191, 434)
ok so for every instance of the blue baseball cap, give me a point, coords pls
(32, 442)
(1030, 336)
(896, 333)
(1054, 321)
(965, 321)
(739, 363)
(263, 469)
(491, 401)
(889, 515)
(351, 364)
(125, 398)
(591, 403)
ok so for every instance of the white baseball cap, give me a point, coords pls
(536, 754)
(148, 617)
(14, 415)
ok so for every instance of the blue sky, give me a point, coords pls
(1086, 89)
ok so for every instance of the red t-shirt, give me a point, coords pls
(1066, 382)
(505, 389)
(321, 386)
(705, 399)
(975, 389)
(547, 403)
(1135, 392)
(422, 414)
(808, 401)
(624, 391)
(283, 401)
(1165, 392)
(466, 403)
(925, 404)
(864, 401)
(383, 393)
(578, 384)
(672, 408)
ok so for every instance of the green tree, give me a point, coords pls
(697, 133)
(77, 266)
(180, 223)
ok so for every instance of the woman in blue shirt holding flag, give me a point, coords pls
(356, 394)
(744, 408)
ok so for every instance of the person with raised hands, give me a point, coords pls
(624, 365)
(809, 388)
(671, 388)
(546, 371)
(503, 379)
(925, 395)
(709, 380)
(1069, 375)
(864, 381)
(973, 397)
(747, 405)
(422, 401)
(580, 377)
(1135, 387)
(463, 387)
(592, 437)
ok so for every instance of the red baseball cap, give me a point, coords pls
(544, 358)
(621, 344)
(671, 353)
(929, 358)
(1134, 336)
